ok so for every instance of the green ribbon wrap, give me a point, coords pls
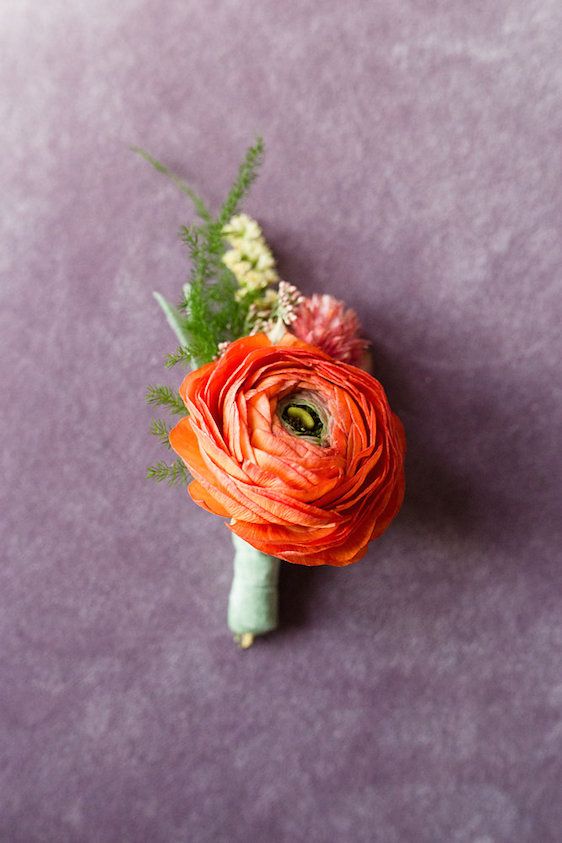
(253, 600)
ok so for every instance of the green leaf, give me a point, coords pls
(175, 319)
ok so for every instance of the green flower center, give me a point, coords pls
(302, 416)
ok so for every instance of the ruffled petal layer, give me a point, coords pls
(288, 496)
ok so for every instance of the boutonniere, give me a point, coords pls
(282, 431)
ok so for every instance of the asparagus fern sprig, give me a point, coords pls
(160, 429)
(209, 312)
(164, 396)
(173, 473)
(213, 309)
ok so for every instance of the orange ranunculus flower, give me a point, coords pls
(300, 451)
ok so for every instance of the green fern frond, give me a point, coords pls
(247, 174)
(164, 396)
(189, 236)
(210, 312)
(159, 428)
(198, 203)
(181, 355)
(213, 314)
(172, 474)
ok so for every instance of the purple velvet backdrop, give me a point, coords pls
(413, 167)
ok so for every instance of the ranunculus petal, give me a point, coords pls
(291, 497)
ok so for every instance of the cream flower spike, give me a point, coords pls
(249, 259)
(241, 227)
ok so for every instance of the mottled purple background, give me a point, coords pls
(413, 167)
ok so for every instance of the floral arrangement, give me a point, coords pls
(282, 430)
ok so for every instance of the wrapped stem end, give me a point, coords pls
(244, 640)
(253, 601)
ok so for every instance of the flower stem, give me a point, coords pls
(253, 601)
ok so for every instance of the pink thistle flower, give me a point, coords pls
(325, 322)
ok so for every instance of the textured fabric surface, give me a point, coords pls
(413, 167)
